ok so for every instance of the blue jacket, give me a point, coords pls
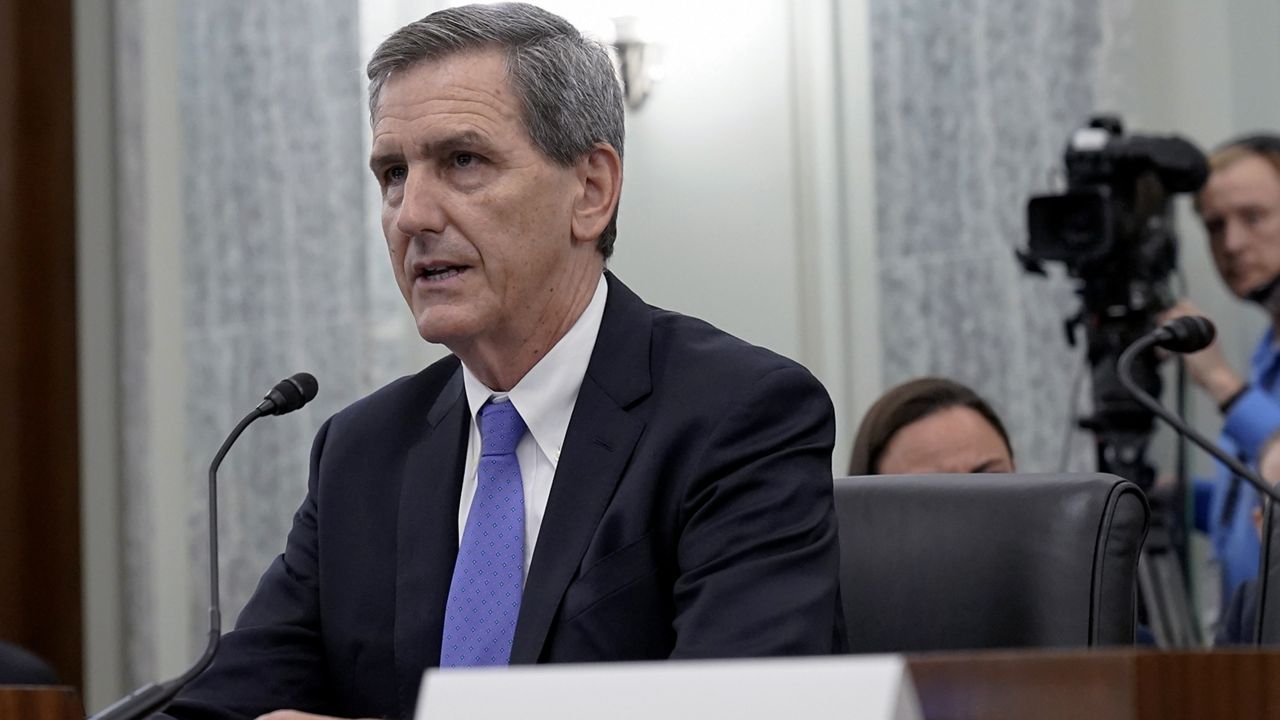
(1225, 504)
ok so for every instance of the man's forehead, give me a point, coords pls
(472, 76)
(1248, 171)
(1250, 179)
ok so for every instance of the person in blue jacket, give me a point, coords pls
(1239, 622)
(1240, 208)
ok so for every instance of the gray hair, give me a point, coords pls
(566, 84)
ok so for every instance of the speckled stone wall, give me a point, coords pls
(274, 256)
(974, 101)
(134, 339)
(277, 277)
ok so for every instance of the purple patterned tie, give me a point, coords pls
(484, 597)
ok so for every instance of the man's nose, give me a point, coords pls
(420, 209)
(1235, 237)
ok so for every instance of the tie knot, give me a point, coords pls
(501, 428)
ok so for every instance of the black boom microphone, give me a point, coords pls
(1186, 334)
(288, 395)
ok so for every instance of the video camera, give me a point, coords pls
(1113, 230)
(1113, 215)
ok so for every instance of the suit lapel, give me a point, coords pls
(598, 444)
(427, 537)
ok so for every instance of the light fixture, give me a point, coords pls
(638, 58)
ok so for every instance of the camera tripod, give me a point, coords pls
(1163, 587)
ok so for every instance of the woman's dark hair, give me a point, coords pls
(911, 401)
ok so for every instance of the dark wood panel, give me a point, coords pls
(32, 703)
(1099, 685)
(40, 606)
(1024, 684)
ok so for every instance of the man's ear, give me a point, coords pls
(600, 177)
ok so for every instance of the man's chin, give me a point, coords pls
(440, 332)
(1243, 288)
(434, 335)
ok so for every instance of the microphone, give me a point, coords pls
(1186, 334)
(288, 395)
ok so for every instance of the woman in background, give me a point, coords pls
(927, 426)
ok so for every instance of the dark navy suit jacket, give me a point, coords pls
(690, 517)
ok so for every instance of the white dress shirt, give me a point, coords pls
(544, 397)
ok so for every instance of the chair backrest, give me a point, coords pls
(20, 667)
(951, 562)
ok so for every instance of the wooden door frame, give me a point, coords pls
(40, 572)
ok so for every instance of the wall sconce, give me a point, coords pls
(639, 60)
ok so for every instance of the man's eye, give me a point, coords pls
(464, 159)
(395, 175)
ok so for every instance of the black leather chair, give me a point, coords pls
(952, 562)
(19, 667)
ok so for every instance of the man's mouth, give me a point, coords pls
(441, 272)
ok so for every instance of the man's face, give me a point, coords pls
(1240, 207)
(477, 220)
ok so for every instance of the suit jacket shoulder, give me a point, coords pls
(401, 398)
(690, 349)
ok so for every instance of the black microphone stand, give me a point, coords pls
(152, 697)
(288, 395)
(1269, 493)
(1234, 464)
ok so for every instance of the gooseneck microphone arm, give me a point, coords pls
(1184, 335)
(288, 395)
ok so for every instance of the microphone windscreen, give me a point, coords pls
(307, 385)
(292, 393)
(1186, 334)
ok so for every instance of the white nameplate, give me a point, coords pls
(815, 688)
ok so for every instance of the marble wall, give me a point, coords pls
(133, 339)
(276, 276)
(974, 101)
(274, 256)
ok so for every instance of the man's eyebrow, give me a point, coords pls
(442, 146)
(382, 159)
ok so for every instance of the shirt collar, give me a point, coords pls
(545, 396)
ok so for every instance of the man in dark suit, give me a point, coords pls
(587, 478)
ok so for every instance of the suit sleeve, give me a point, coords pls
(274, 658)
(758, 554)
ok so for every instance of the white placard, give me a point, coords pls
(812, 688)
